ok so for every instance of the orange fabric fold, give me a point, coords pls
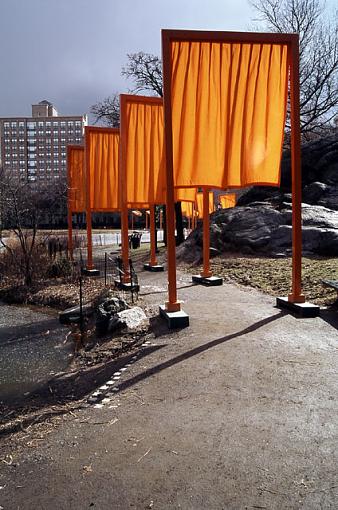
(187, 209)
(185, 194)
(76, 179)
(103, 169)
(228, 112)
(199, 204)
(144, 166)
(228, 200)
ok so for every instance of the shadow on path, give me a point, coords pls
(330, 315)
(198, 350)
(164, 291)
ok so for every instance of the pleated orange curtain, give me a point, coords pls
(228, 200)
(76, 178)
(187, 209)
(199, 204)
(102, 145)
(228, 112)
(143, 171)
(185, 195)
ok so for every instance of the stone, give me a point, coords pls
(106, 314)
(264, 230)
(134, 319)
(72, 315)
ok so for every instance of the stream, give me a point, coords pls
(32, 349)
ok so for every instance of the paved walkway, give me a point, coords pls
(238, 411)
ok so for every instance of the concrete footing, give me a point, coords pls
(211, 281)
(126, 286)
(175, 319)
(154, 269)
(305, 310)
(90, 272)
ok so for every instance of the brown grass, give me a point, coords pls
(273, 276)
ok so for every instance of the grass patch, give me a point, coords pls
(273, 276)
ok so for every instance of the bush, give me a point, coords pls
(60, 267)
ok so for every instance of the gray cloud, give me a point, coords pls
(71, 51)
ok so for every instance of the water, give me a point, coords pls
(32, 349)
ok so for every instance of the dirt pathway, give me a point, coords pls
(238, 411)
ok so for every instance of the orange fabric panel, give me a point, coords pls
(145, 160)
(76, 179)
(228, 112)
(185, 194)
(187, 209)
(228, 200)
(103, 169)
(199, 203)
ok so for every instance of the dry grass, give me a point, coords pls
(273, 276)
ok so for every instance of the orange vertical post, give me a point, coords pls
(123, 195)
(296, 295)
(206, 273)
(89, 240)
(153, 261)
(88, 211)
(172, 305)
(69, 207)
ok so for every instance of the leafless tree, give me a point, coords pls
(23, 206)
(318, 56)
(107, 111)
(145, 71)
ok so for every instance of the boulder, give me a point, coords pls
(264, 230)
(134, 319)
(106, 313)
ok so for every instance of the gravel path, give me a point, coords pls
(238, 411)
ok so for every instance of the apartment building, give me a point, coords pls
(34, 149)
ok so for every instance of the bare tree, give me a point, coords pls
(107, 111)
(23, 206)
(318, 56)
(145, 71)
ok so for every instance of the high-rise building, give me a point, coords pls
(34, 149)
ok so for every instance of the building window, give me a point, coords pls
(6, 124)
(62, 124)
(41, 124)
(13, 124)
(48, 124)
(31, 125)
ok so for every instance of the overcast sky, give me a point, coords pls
(70, 52)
